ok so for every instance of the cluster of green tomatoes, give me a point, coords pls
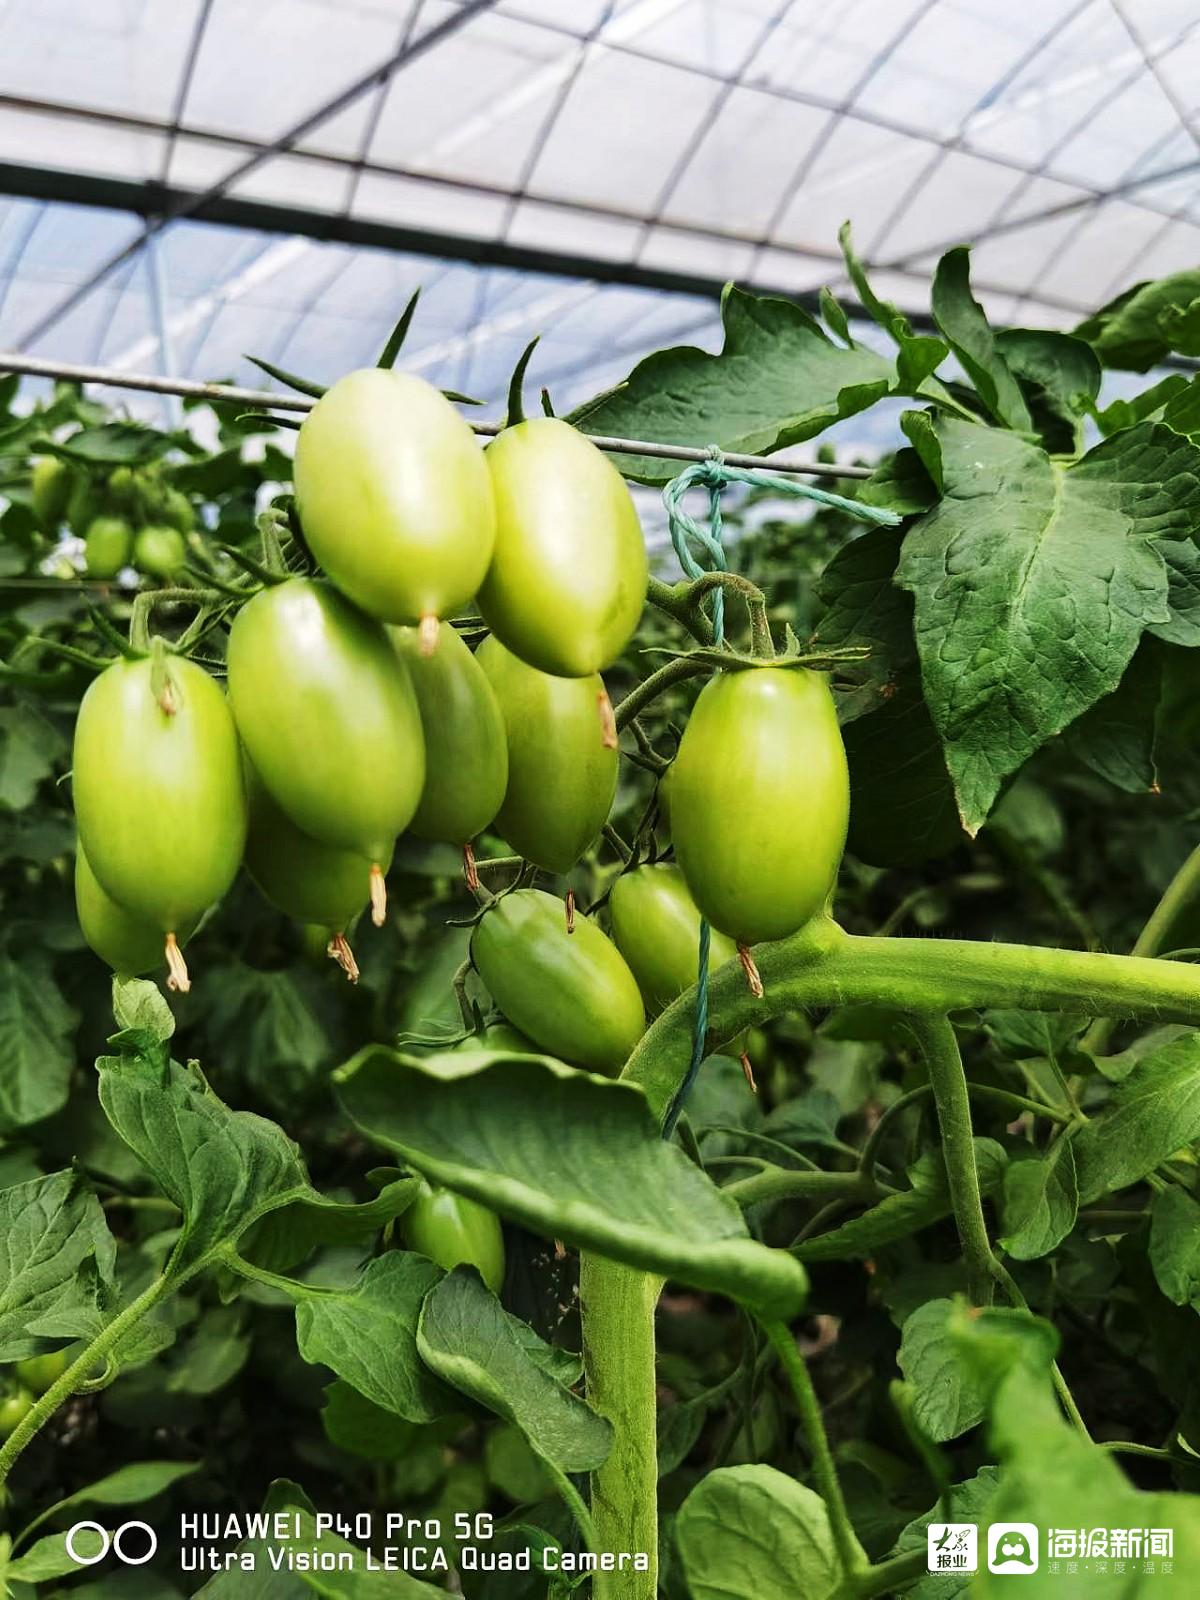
(356, 711)
(129, 517)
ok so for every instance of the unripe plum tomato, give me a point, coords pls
(158, 788)
(178, 511)
(561, 775)
(15, 1405)
(107, 546)
(466, 752)
(760, 800)
(159, 550)
(301, 876)
(130, 945)
(50, 485)
(84, 504)
(571, 993)
(453, 1231)
(39, 1372)
(394, 496)
(327, 714)
(656, 927)
(567, 583)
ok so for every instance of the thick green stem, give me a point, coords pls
(851, 1553)
(781, 1182)
(77, 1373)
(617, 1311)
(1182, 891)
(939, 1047)
(822, 966)
(649, 689)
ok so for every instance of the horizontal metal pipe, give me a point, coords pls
(263, 399)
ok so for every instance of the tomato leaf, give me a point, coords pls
(1146, 323)
(367, 1335)
(1033, 584)
(961, 318)
(1041, 1201)
(747, 1532)
(1154, 1111)
(778, 379)
(947, 1396)
(472, 1343)
(56, 1263)
(36, 1050)
(569, 1156)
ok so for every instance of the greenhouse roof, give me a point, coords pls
(192, 181)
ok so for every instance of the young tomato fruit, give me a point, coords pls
(394, 496)
(39, 1372)
(51, 483)
(656, 927)
(466, 754)
(455, 1232)
(561, 774)
(158, 793)
(15, 1406)
(571, 993)
(107, 546)
(328, 717)
(760, 801)
(303, 877)
(159, 550)
(129, 945)
(567, 583)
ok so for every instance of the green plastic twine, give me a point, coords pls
(688, 537)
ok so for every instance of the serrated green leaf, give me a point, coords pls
(1175, 1245)
(778, 379)
(56, 1263)
(36, 1041)
(1041, 1202)
(1154, 1112)
(961, 318)
(748, 1532)
(1033, 585)
(1147, 322)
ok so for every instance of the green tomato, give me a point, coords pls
(567, 583)
(14, 1408)
(327, 714)
(123, 488)
(84, 505)
(561, 776)
(656, 927)
(158, 794)
(302, 877)
(159, 550)
(178, 511)
(466, 753)
(760, 801)
(39, 1372)
(572, 993)
(107, 546)
(51, 483)
(130, 945)
(454, 1232)
(394, 496)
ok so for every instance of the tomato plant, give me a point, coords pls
(501, 1230)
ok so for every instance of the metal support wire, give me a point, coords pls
(264, 399)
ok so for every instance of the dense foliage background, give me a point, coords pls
(1023, 772)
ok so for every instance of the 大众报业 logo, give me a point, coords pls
(952, 1547)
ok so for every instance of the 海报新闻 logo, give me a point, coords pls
(1013, 1548)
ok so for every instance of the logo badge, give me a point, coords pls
(1013, 1548)
(952, 1547)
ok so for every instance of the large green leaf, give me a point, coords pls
(471, 1342)
(569, 1156)
(948, 1398)
(29, 750)
(1041, 1201)
(1147, 322)
(36, 1054)
(56, 1263)
(779, 378)
(1033, 584)
(746, 1533)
